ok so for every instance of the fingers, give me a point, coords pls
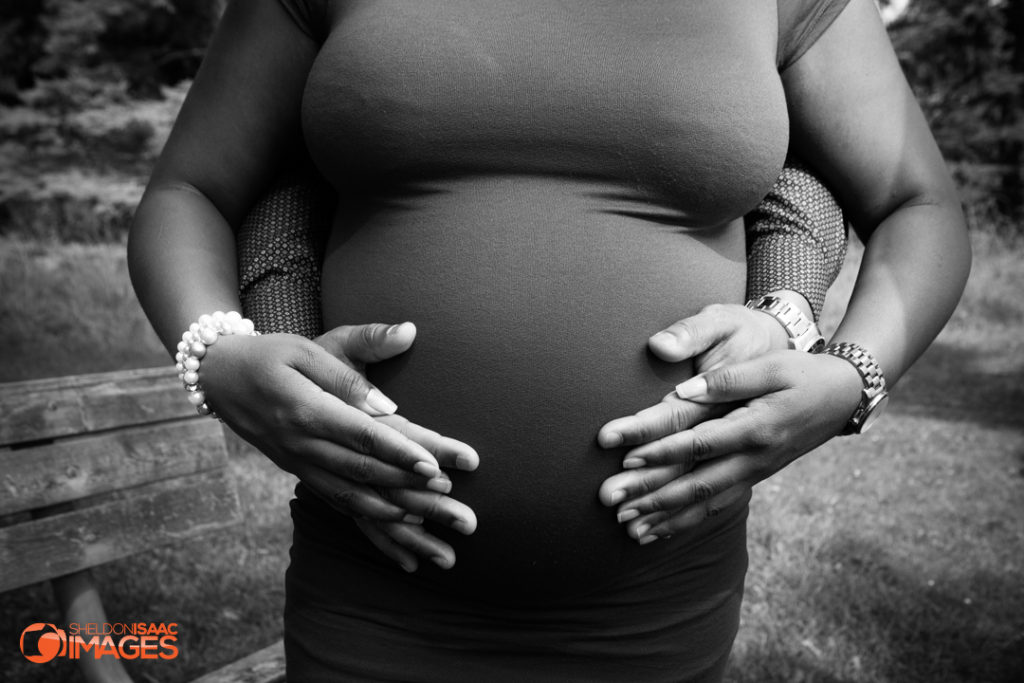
(348, 497)
(694, 335)
(405, 542)
(436, 507)
(367, 469)
(649, 528)
(389, 504)
(671, 415)
(379, 538)
(325, 417)
(632, 484)
(676, 503)
(368, 343)
(735, 432)
(741, 381)
(448, 452)
(341, 379)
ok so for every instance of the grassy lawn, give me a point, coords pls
(892, 557)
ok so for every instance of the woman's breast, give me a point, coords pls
(534, 298)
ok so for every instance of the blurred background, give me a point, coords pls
(895, 557)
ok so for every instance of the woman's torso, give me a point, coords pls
(539, 186)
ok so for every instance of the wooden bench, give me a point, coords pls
(98, 467)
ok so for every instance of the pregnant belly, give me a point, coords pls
(533, 301)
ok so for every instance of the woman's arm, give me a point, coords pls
(302, 406)
(855, 121)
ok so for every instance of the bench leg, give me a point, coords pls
(80, 603)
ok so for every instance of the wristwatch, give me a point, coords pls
(874, 397)
(802, 332)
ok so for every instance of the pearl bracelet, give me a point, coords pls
(202, 334)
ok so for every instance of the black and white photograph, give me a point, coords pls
(518, 341)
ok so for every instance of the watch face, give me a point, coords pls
(874, 411)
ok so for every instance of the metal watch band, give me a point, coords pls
(802, 332)
(874, 395)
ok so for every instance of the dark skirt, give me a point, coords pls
(352, 616)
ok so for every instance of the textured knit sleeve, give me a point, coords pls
(280, 250)
(796, 238)
(801, 23)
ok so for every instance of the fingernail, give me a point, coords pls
(408, 565)
(440, 485)
(380, 403)
(426, 469)
(617, 497)
(394, 329)
(647, 539)
(642, 530)
(694, 387)
(442, 561)
(633, 463)
(412, 519)
(612, 439)
(665, 338)
(627, 515)
(465, 462)
(462, 526)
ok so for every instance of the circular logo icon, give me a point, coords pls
(42, 642)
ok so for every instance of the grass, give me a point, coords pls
(892, 557)
(69, 308)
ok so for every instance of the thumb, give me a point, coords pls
(368, 343)
(690, 337)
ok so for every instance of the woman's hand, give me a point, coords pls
(720, 334)
(792, 402)
(316, 416)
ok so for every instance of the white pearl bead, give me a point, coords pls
(186, 336)
(180, 367)
(203, 409)
(232, 317)
(207, 335)
(197, 398)
(205, 320)
(191, 364)
(193, 328)
(245, 326)
(182, 346)
(191, 376)
(198, 349)
(218, 316)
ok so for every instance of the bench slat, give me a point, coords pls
(145, 518)
(78, 467)
(66, 406)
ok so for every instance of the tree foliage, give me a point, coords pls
(95, 46)
(965, 61)
(963, 58)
